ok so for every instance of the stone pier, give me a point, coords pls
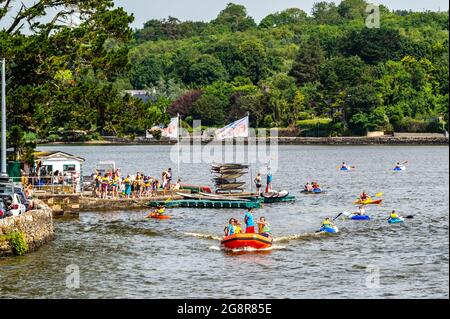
(35, 226)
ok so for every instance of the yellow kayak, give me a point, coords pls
(369, 201)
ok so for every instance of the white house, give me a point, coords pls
(53, 164)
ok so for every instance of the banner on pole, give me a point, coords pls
(233, 130)
(171, 131)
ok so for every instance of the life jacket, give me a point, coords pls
(237, 230)
(326, 223)
(394, 215)
(260, 228)
(266, 228)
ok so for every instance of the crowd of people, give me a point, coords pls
(112, 184)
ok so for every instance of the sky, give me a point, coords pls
(206, 10)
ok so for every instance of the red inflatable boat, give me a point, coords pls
(237, 241)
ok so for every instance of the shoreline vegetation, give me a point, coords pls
(354, 140)
(324, 72)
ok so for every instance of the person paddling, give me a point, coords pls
(249, 223)
(327, 223)
(394, 215)
(361, 210)
(363, 197)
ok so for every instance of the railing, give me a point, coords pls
(53, 184)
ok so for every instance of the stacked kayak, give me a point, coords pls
(255, 241)
(331, 230)
(354, 216)
(368, 202)
(395, 220)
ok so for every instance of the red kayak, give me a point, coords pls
(158, 216)
(237, 241)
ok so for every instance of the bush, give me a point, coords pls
(315, 127)
(17, 242)
(410, 125)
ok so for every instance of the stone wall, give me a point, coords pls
(36, 225)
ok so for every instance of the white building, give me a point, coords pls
(69, 168)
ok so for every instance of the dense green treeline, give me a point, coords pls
(293, 67)
(68, 79)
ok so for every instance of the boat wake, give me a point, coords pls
(305, 236)
(204, 236)
(248, 249)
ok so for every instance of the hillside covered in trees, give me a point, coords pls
(293, 69)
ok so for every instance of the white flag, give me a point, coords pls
(235, 129)
(171, 130)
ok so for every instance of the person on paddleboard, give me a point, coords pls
(249, 223)
(269, 181)
(263, 227)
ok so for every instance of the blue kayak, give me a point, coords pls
(331, 230)
(360, 217)
(317, 191)
(395, 220)
(397, 169)
(354, 216)
(345, 169)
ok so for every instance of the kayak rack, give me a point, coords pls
(204, 203)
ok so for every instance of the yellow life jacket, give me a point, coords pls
(237, 230)
(394, 215)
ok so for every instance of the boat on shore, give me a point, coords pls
(253, 240)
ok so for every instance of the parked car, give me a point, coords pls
(23, 198)
(4, 209)
(15, 204)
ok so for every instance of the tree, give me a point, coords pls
(373, 45)
(293, 16)
(209, 109)
(146, 72)
(352, 9)
(306, 65)
(183, 105)
(234, 18)
(326, 13)
(206, 70)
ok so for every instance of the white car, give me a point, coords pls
(17, 207)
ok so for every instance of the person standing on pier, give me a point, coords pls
(258, 183)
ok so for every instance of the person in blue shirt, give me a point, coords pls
(269, 181)
(230, 228)
(249, 223)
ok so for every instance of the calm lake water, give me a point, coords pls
(121, 255)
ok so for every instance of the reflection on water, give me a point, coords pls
(123, 255)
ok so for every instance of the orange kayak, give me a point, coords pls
(158, 216)
(369, 202)
(237, 241)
